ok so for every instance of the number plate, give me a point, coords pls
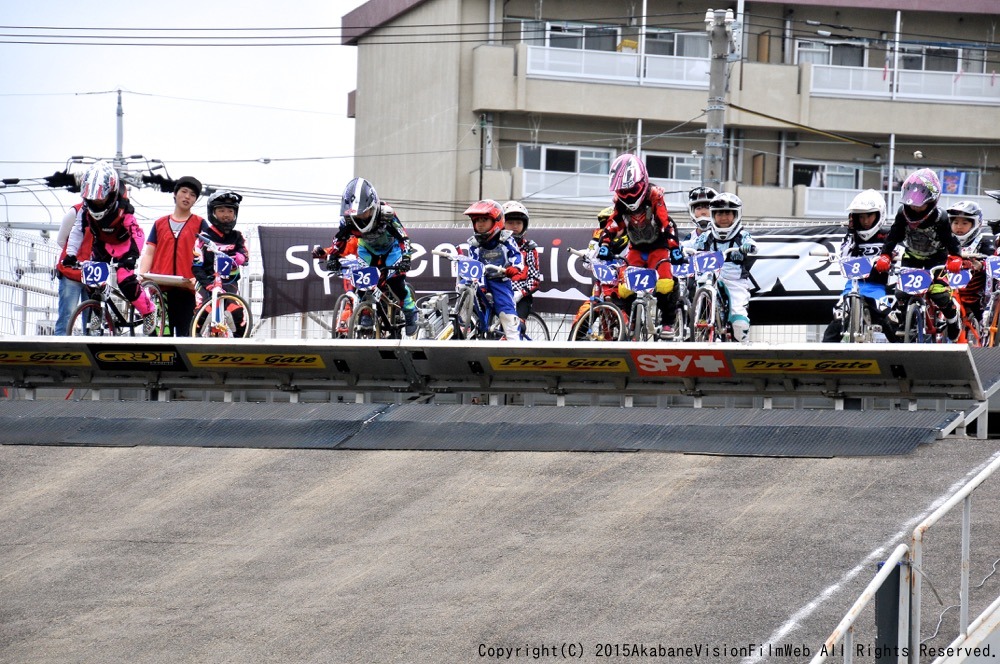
(469, 270)
(707, 261)
(993, 266)
(856, 268)
(682, 270)
(640, 280)
(914, 282)
(605, 273)
(94, 273)
(365, 278)
(224, 265)
(958, 279)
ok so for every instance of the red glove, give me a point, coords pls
(512, 271)
(883, 263)
(953, 264)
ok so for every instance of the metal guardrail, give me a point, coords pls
(911, 555)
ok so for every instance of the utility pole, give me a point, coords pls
(719, 24)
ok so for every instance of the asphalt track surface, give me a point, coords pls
(189, 554)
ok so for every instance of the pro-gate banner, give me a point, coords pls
(790, 286)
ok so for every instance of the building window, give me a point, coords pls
(682, 44)
(830, 53)
(563, 159)
(835, 176)
(671, 166)
(579, 35)
(926, 58)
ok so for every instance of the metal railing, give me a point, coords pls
(868, 82)
(615, 67)
(911, 556)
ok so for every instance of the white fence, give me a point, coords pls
(950, 87)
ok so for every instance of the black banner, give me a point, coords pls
(791, 287)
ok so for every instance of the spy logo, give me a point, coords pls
(681, 363)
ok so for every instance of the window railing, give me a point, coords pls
(830, 202)
(590, 189)
(614, 67)
(953, 87)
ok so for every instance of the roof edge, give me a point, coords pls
(371, 16)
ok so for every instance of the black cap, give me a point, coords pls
(191, 183)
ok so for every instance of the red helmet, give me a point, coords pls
(629, 181)
(487, 208)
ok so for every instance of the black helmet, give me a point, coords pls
(224, 198)
(192, 183)
(359, 205)
(700, 196)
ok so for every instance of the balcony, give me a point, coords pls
(613, 67)
(830, 202)
(948, 87)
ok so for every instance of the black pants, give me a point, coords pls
(180, 310)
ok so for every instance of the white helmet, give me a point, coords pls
(971, 211)
(726, 201)
(516, 211)
(867, 201)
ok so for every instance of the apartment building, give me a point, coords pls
(533, 99)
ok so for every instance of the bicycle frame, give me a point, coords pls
(215, 320)
(603, 320)
(377, 300)
(924, 321)
(101, 279)
(711, 305)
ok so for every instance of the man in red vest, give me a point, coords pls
(170, 250)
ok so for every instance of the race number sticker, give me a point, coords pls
(604, 272)
(959, 279)
(469, 269)
(993, 266)
(708, 261)
(640, 280)
(687, 363)
(366, 277)
(94, 273)
(856, 268)
(914, 282)
(682, 270)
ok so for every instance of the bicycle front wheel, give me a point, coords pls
(704, 321)
(342, 310)
(915, 329)
(604, 322)
(235, 322)
(855, 322)
(535, 328)
(364, 322)
(640, 323)
(91, 319)
(991, 334)
(682, 320)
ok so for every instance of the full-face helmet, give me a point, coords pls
(359, 205)
(100, 189)
(224, 198)
(921, 187)
(971, 211)
(726, 201)
(491, 209)
(629, 181)
(514, 210)
(701, 196)
(867, 201)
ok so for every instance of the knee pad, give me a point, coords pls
(624, 292)
(664, 286)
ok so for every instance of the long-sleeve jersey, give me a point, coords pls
(853, 247)
(532, 276)
(736, 266)
(931, 241)
(117, 236)
(386, 233)
(501, 251)
(232, 244)
(650, 227)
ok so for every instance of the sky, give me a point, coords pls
(207, 111)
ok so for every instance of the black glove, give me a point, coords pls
(70, 261)
(128, 263)
(319, 252)
(676, 255)
(333, 264)
(404, 263)
(604, 252)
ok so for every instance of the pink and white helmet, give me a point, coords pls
(629, 181)
(921, 187)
